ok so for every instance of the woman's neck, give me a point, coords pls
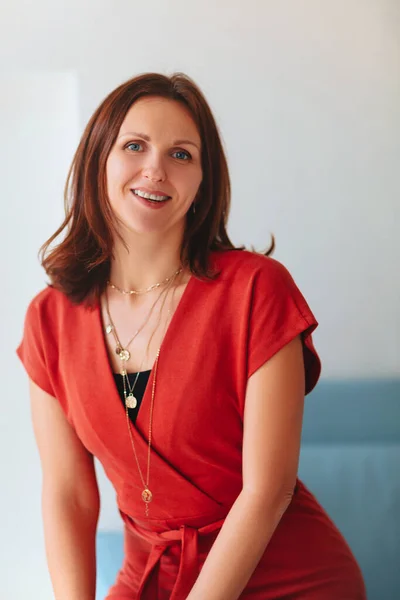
(142, 266)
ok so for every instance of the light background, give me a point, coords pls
(307, 96)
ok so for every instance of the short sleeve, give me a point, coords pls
(32, 350)
(279, 313)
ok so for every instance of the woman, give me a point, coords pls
(182, 364)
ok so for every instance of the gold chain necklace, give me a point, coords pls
(146, 495)
(130, 399)
(147, 290)
(124, 355)
(120, 350)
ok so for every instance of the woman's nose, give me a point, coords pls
(154, 168)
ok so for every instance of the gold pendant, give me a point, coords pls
(130, 401)
(109, 328)
(123, 354)
(147, 496)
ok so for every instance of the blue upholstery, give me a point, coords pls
(109, 546)
(350, 460)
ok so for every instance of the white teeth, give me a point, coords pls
(150, 196)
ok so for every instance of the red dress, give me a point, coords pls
(221, 333)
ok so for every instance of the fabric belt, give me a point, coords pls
(188, 566)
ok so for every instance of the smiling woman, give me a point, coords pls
(154, 168)
(181, 363)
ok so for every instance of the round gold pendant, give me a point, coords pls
(130, 401)
(124, 354)
(147, 496)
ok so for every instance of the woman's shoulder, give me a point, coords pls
(49, 297)
(248, 265)
(50, 304)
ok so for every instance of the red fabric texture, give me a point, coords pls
(220, 334)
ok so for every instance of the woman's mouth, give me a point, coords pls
(153, 200)
(150, 197)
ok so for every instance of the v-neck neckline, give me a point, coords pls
(169, 334)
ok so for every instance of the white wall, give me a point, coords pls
(307, 95)
(39, 129)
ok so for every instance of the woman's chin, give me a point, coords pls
(148, 227)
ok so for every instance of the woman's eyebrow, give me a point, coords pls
(147, 139)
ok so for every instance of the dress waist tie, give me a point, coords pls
(189, 563)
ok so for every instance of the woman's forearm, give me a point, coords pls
(70, 539)
(238, 548)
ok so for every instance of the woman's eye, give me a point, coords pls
(183, 155)
(133, 146)
(179, 154)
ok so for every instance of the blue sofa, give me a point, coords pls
(350, 460)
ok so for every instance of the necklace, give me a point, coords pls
(130, 400)
(147, 290)
(147, 495)
(120, 350)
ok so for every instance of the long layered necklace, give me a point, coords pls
(123, 352)
(130, 400)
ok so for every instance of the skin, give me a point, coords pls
(274, 400)
(146, 156)
(154, 237)
(271, 448)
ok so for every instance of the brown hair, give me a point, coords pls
(79, 266)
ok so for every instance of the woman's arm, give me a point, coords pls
(271, 447)
(70, 500)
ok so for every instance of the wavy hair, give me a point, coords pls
(79, 265)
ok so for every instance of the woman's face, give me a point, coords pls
(157, 151)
